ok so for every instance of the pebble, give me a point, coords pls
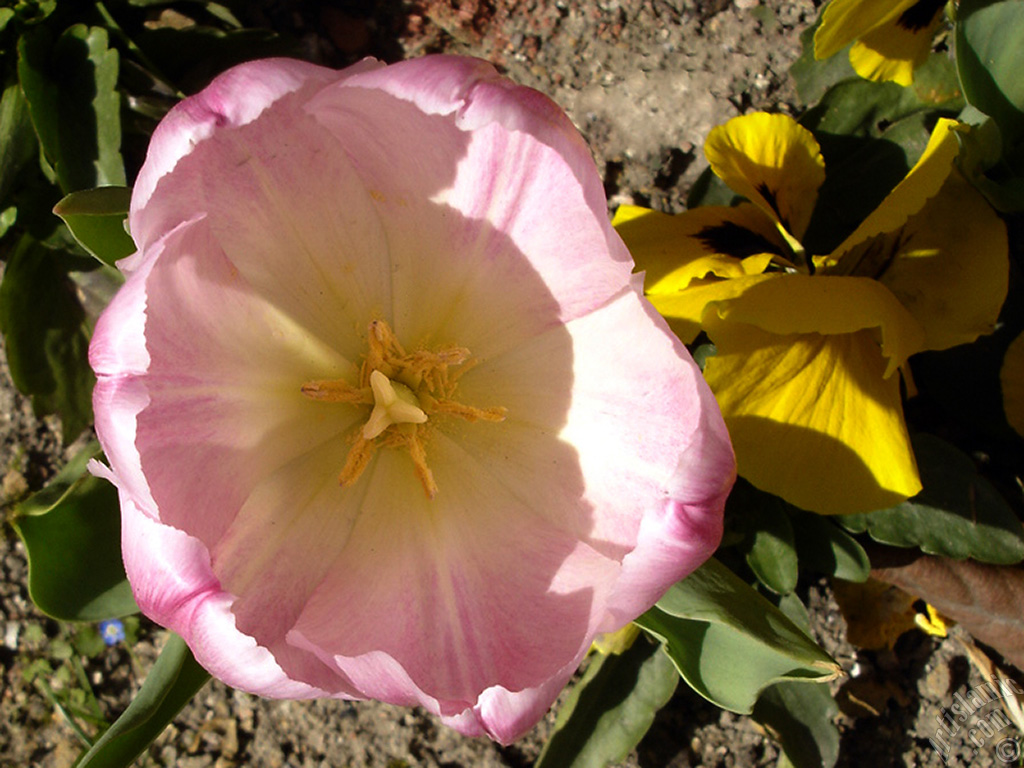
(11, 632)
(936, 682)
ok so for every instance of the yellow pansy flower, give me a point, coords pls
(891, 38)
(809, 347)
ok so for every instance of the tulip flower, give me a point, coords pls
(388, 414)
(891, 38)
(809, 348)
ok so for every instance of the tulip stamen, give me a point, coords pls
(468, 412)
(337, 391)
(406, 391)
(419, 461)
(358, 457)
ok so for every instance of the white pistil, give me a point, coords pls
(393, 403)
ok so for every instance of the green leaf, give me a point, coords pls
(708, 189)
(990, 60)
(72, 535)
(611, 708)
(981, 159)
(60, 485)
(172, 682)
(7, 218)
(870, 135)
(813, 77)
(937, 84)
(46, 336)
(768, 545)
(71, 88)
(826, 548)
(959, 514)
(96, 218)
(16, 137)
(800, 718)
(702, 353)
(728, 642)
(865, 108)
(210, 51)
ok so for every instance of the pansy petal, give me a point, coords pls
(801, 304)
(921, 183)
(891, 54)
(844, 21)
(948, 265)
(672, 251)
(772, 161)
(685, 309)
(812, 417)
(893, 50)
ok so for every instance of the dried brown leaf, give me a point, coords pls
(988, 600)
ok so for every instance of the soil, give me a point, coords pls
(644, 80)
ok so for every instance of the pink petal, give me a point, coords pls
(261, 83)
(170, 576)
(439, 590)
(505, 716)
(514, 153)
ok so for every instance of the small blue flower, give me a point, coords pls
(112, 631)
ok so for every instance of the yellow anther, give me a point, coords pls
(393, 403)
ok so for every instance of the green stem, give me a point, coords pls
(55, 702)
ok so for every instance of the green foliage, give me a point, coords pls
(16, 137)
(826, 548)
(96, 217)
(812, 77)
(70, 86)
(768, 545)
(728, 642)
(990, 60)
(959, 514)
(799, 717)
(778, 542)
(708, 189)
(172, 682)
(72, 534)
(610, 708)
(46, 335)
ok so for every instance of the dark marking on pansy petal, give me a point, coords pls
(874, 257)
(731, 239)
(769, 196)
(920, 15)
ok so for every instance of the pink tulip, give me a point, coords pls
(389, 417)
